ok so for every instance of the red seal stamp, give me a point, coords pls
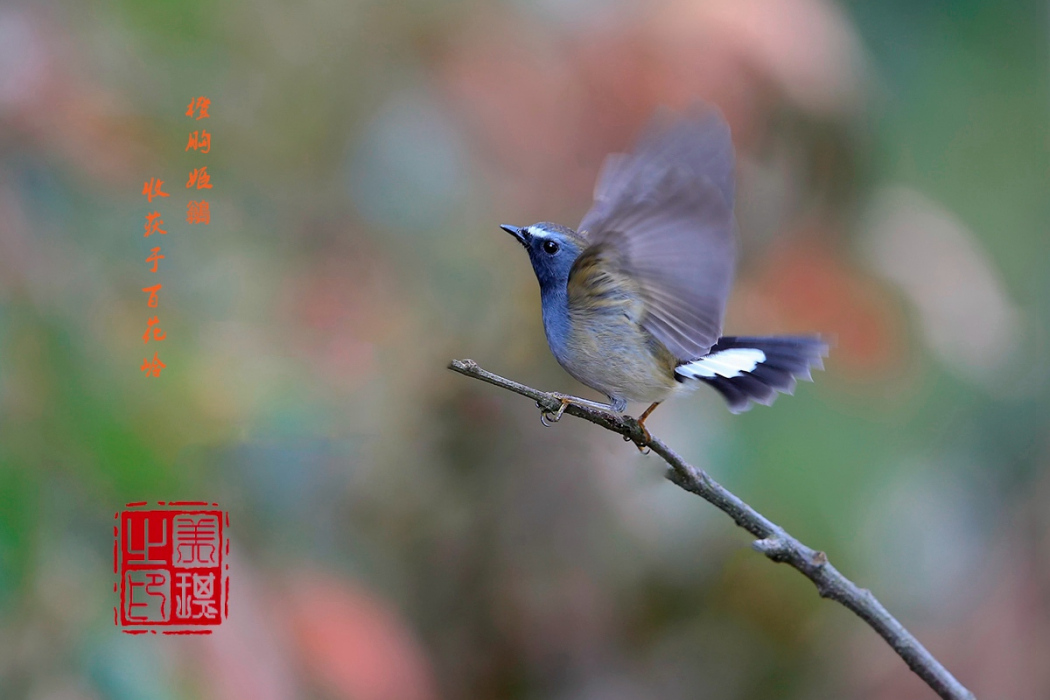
(172, 566)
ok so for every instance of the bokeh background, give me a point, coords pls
(404, 533)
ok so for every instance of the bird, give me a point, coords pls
(633, 299)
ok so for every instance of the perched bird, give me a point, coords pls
(633, 300)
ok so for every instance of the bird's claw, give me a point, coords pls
(643, 444)
(647, 439)
(548, 419)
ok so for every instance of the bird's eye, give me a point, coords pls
(551, 247)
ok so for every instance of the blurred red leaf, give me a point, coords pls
(354, 643)
(806, 286)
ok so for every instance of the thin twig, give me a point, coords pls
(773, 540)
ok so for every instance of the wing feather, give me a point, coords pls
(700, 142)
(667, 210)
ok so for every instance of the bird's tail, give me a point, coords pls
(755, 369)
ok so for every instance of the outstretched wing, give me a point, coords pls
(667, 210)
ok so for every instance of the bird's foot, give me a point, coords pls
(647, 438)
(643, 443)
(550, 417)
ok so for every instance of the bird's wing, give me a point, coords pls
(667, 212)
(700, 143)
(599, 281)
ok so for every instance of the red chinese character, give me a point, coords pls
(200, 140)
(200, 106)
(152, 189)
(201, 177)
(158, 334)
(152, 368)
(153, 224)
(155, 258)
(154, 599)
(171, 568)
(196, 541)
(154, 547)
(198, 212)
(152, 291)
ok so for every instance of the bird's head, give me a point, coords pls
(552, 249)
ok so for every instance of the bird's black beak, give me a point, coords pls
(517, 232)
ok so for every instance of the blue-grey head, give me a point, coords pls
(552, 249)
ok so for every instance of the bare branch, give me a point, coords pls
(773, 540)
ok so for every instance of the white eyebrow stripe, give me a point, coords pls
(536, 232)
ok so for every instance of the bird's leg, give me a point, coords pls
(546, 417)
(614, 407)
(641, 421)
(645, 414)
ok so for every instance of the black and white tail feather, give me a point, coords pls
(746, 370)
